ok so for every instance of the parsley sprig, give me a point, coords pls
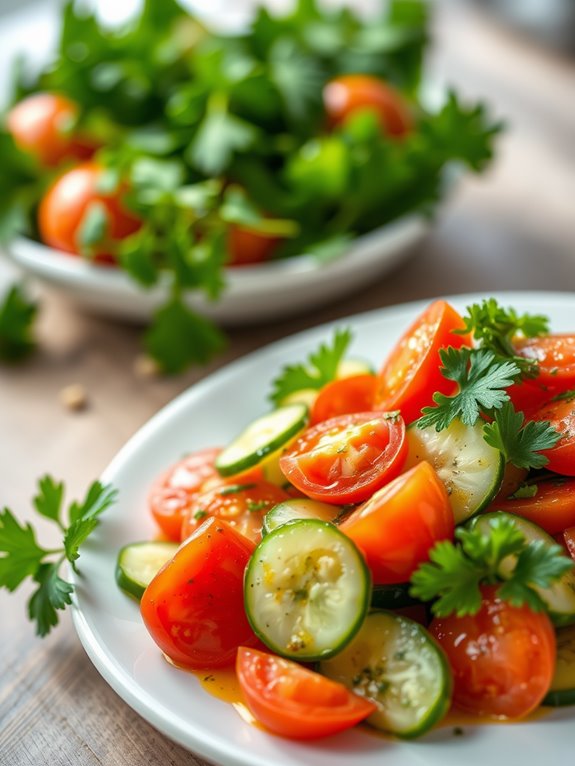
(17, 314)
(24, 557)
(456, 571)
(482, 379)
(320, 368)
(520, 442)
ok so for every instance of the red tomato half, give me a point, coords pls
(502, 658)
(353, 93)
(243, 504)
(65, 204)
(172, 493)
(43, 125)
(396, 528)
(194, 606)
(555, 355)
(344, 397)
(552, 508)
(346, 459)
(295, 702)
(561, 416)
(248, 247)
(410, 375)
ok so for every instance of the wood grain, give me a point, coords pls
(512, 229)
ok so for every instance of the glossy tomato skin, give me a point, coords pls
(65, 204)
(502, 658)
(347, 458)
(555, 355)
(350, 94)
(238, 501)
(246, 247)
(344, 397)
(411, 374)
(194, 606)
(295, 702)
(561, 416)
(397, 527)
(552, 508)
(172, 493)
(43, 125)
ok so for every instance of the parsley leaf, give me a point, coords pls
(321, 368)
(482, 380)
(519, 442)
(23, 557)
(17, 315)
(455, 573)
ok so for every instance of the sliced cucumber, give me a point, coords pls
(394, 662)
(562, 690)
(560, 597)
(392, 596)
(307, 590)
(262, 437)
(347, 368)
(139, 563)
(471, 470)
(298, 508)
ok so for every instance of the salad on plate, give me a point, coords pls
(382, 546)
(173, 151)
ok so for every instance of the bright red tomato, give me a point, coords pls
(396, 528)
(242, 504)
(43, 125)
(410, 375)
(561, 416)
(555, 355)
(344, 397)
(295, 702)
(502, 658)
(353, 93)
(194, 606)
(63, 207)
(172, 493)
(248, 247)
(552, 508)
(346, 459)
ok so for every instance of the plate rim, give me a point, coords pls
(114, 673)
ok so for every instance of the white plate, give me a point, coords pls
(253, 293)
(173, 701)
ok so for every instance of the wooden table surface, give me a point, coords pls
(511, 229)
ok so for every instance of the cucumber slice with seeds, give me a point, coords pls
(261, 438)
(471, 469)
(307, 590)
(394, 662)
(139, 563)
(298, 508)
(559, 597)
(562, 689)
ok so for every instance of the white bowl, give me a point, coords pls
(252, 294)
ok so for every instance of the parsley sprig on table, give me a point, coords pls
(17, 314)
(320, 368)
(208, 131)
(24, 557)
(456, 571)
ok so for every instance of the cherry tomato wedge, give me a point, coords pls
(396, 528)
(63, 208)
(502, 658)
(346, 459)
(411, 374)
(240, 502)
(344, 397)
(43, 125)
(555, 355)
(552, 507)
(172, 493)
(561, 416)
(194, 606)
(247, 247)
(352, 93)
(295, 702)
